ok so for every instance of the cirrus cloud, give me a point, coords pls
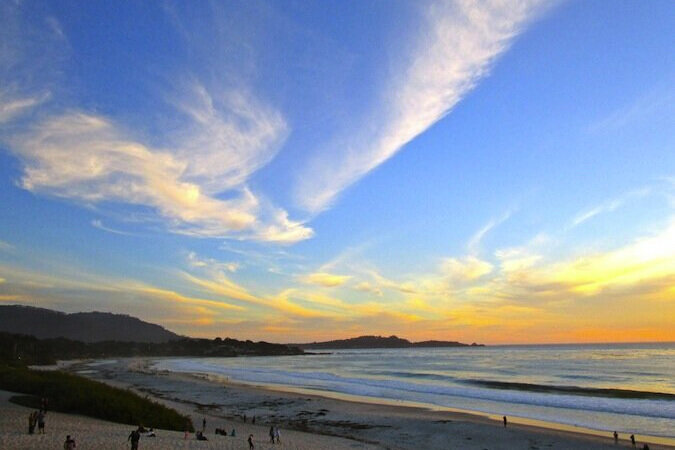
(85, 157)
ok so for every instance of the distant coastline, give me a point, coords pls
(364, 342)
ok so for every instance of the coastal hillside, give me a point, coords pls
(28, 350)
(84, 326)
(380, 342)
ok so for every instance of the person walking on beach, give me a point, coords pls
(41, 422)
(250, 442)
(69, 444)
(277, 435)
(616, 437)
(32, 420)
(632, 440)
(204, 424)
(504, 418)
(134, 437)
(271, 434)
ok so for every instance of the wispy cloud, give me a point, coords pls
(97, 223)
(211, 264)
(193, 174)
(12, 107)
(466, 269)
(229, 136)
(609, 206)
(461, 41)
(657, 101)
(87, 158)
(325, 279)
(473, 245)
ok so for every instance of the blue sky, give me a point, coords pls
(482, 171)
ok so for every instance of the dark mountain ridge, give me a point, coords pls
(380, 342)
(84, 326)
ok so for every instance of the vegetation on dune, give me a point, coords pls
(77, 395)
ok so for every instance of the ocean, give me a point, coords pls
(629, 388)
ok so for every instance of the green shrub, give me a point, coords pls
(74, 394)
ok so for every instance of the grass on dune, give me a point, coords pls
(77, 395)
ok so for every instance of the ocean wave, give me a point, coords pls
(573, 390)
(440, 394)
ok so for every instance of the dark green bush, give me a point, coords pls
(73, 394)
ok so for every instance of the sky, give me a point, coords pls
(480, 171)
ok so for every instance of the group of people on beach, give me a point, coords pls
(275, 435)
(38, 418)
(135, 435)
(632, 441)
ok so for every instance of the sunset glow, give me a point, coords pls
(494, 172)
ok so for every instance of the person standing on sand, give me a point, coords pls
(272, 434)
(277, 435)
(32, 418)
(632, 440)
(69, 444)
(203, 424)
(616, 437)
(504, 421)
(41, 422)
(250, 442)
(134, 437)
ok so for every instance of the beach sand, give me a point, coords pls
(306, 421)
(98, 434)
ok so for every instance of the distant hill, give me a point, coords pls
(86, 327)
(380, 342)
(20, 349)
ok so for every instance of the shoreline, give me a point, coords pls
(391, 424)
(461, 413)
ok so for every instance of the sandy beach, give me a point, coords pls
(98, 434)
(306, 421)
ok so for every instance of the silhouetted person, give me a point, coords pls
(69, 444)
(41, 422)
(253, 420)
(134, 437)
(616, 437)
(277, 435)
(244, 418)
(250, 442)
(201, 437)
(233, 434)
(204, 424)
(272, 435)
(32, 420)
(632, 440)
(504, 418)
